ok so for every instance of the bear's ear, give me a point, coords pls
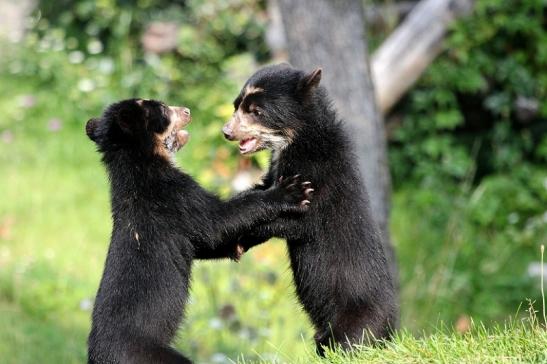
(121, 120)
(310, 81)
(91, 128)
(125, 119)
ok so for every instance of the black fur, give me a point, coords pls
(162, 220)
(340, 270)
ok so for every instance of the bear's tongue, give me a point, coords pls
(247, 145)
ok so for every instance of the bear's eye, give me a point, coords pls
(164, 111)
(257, 112)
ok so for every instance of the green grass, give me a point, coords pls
(516, 343)
(55, 226)
(27, 339)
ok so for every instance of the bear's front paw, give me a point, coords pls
(296, 194)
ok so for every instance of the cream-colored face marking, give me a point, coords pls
(254, 136)
(179, 115)
(249, 90)
(247, 128)
(141, 101)
(173, 138)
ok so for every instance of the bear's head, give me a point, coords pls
(271, 108)
(146, 126)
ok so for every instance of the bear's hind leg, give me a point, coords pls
(328, 339)
(354, 326)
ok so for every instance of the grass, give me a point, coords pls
(54, 230)
(27, 339)
(516, 343)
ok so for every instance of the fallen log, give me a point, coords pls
(406, 53)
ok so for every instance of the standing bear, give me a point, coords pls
(339, 267)
(162, 221)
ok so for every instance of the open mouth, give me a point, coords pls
(176, 140)
(248, 145)
(178, 137)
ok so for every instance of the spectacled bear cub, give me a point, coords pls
(162, 220)
(339, 267)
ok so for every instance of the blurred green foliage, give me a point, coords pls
(468, 157)
(90, 52)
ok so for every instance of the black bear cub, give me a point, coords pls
(339, 267)
(162, 220)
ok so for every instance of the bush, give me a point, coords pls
(468, 161)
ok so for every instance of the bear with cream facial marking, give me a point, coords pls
(162, 221)
(339, 267)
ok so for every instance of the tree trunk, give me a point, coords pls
(330, 34)
(406, 54)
